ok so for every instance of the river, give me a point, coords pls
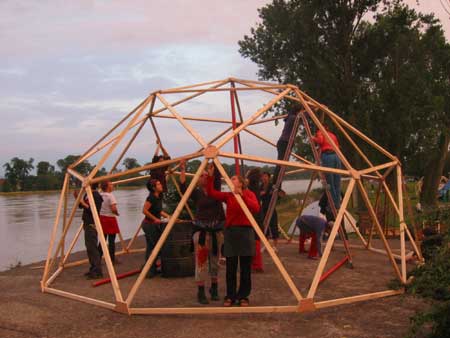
(26, 221)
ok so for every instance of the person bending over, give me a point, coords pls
(314, 227)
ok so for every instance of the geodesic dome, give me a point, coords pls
(158, 106)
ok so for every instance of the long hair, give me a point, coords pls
(254, 179)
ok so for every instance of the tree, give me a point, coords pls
(16, 171)
(130, 163)
(45, 168)
(387, 77)
(84, 168)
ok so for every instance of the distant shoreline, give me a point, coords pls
(29, 192)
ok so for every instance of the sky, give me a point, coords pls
(70, 69)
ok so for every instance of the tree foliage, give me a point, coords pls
(388, 76)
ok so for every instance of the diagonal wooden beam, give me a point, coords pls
(259, 233)
(165, 233)
(326, 253)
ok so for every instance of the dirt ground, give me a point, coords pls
(26, 312)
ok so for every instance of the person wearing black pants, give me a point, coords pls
(239, 237)
(245, 281)
(90, 233)
(151, 225)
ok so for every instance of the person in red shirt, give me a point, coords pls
(239, 237)
(330, 159)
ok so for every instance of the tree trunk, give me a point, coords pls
(434, 171)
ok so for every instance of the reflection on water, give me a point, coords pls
(26, 221)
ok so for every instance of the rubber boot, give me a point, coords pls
(257, 261)
(301, 243)
(201, 297)
(313, 252)
(214, 291)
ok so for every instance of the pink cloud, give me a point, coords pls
(52, 26)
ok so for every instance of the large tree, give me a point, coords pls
(387, 76)
(16, 172)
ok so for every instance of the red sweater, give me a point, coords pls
(323, 143)
(234, 215)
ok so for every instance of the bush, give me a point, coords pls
(432, 280)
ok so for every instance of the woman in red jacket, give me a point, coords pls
(239, 241)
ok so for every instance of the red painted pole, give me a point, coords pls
(120, 276)
(333, 269)
(235, 139)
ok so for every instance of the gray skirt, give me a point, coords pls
(239, 241)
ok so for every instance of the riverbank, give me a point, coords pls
(27, 313)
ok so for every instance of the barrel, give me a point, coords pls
(177, 257)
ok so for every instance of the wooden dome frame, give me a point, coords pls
(57, 257)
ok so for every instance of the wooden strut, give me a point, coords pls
(259, 233)
(69, 223)
(304, 304)
(235, 138)
(286, 163)
(101, 239)
(117, 141)
(331, 239)
(261, 111)
(97, 149)
(165, 233)
(379, 228)
(276, 187)
(413, 220)
(241, 119)
(262, 138)
(186, 126)
(350, 127)
(55, 228)
(83, 157)
(130, 142)
(206, 90)
(313, 177)
(322, 176)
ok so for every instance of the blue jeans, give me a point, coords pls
(331, 160)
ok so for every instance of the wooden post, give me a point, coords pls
(241, 119)
(260, 234)
(235, 140)
(101, 239)
(331, 238)
(165, 233)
